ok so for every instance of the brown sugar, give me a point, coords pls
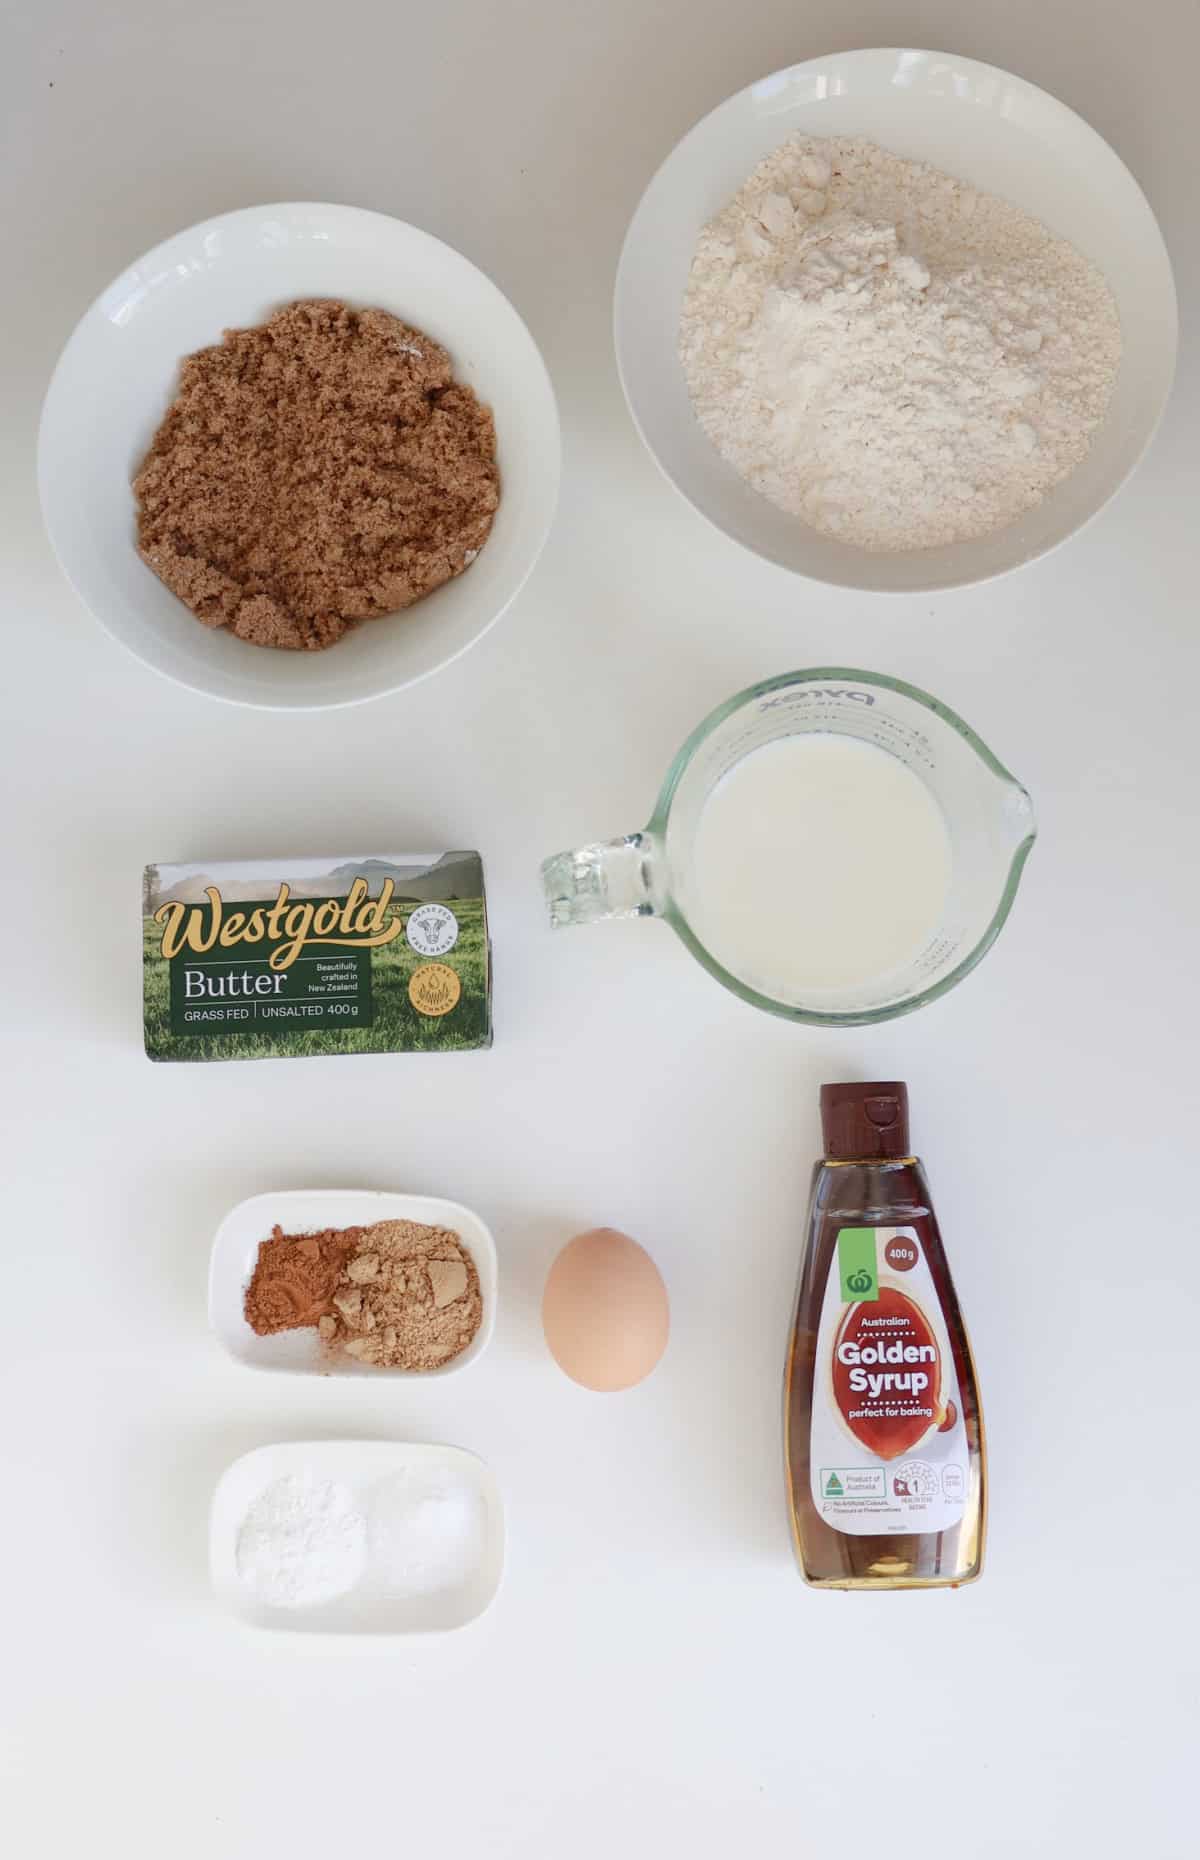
(321, 469)
(295, 1278)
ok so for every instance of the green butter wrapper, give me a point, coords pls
(279, 959)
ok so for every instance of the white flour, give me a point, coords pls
(302, 1542)
(885, 352)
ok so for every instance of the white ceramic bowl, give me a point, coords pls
(309, 1210)
(1003, 135)
(119, 372)
(364, 1467)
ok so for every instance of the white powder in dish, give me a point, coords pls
(302, 1542)
(427, 1531)
(888, 353)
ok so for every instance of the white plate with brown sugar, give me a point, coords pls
(121, 371)
(347, 1278)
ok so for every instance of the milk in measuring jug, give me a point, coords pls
(819, 862)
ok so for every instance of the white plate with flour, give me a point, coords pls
(985, 127)
(357, 1537)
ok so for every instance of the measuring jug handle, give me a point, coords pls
(614, 878)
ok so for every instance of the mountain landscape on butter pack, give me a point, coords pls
(454, 875)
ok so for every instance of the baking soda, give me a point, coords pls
(305, 1541)
(426, 1532)
(302, 1542)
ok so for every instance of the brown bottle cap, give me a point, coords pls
(865, 1122)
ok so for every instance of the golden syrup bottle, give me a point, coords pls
(883, 1435)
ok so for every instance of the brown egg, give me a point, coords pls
(605, 1310)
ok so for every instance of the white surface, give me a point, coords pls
(653, 1678)
(363, 1467)
(977, 123)
(235, 1252)
(120, 371)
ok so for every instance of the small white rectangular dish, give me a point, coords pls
(357, 1537)
(310, 1210)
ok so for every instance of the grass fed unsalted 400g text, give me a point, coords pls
(265, 959)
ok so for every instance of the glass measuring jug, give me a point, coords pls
(987, 815)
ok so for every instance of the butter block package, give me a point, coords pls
(283, 958)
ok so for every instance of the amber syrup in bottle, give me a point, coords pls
(883, 1434)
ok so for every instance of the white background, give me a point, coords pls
(654, 1677)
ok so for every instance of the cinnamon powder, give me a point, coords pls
(296, 1276)
(321, 469)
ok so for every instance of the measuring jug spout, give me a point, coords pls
(614, 878)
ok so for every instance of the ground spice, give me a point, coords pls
(296, 1276)
(408, 1297)
(396, 1294)
(321, 469)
